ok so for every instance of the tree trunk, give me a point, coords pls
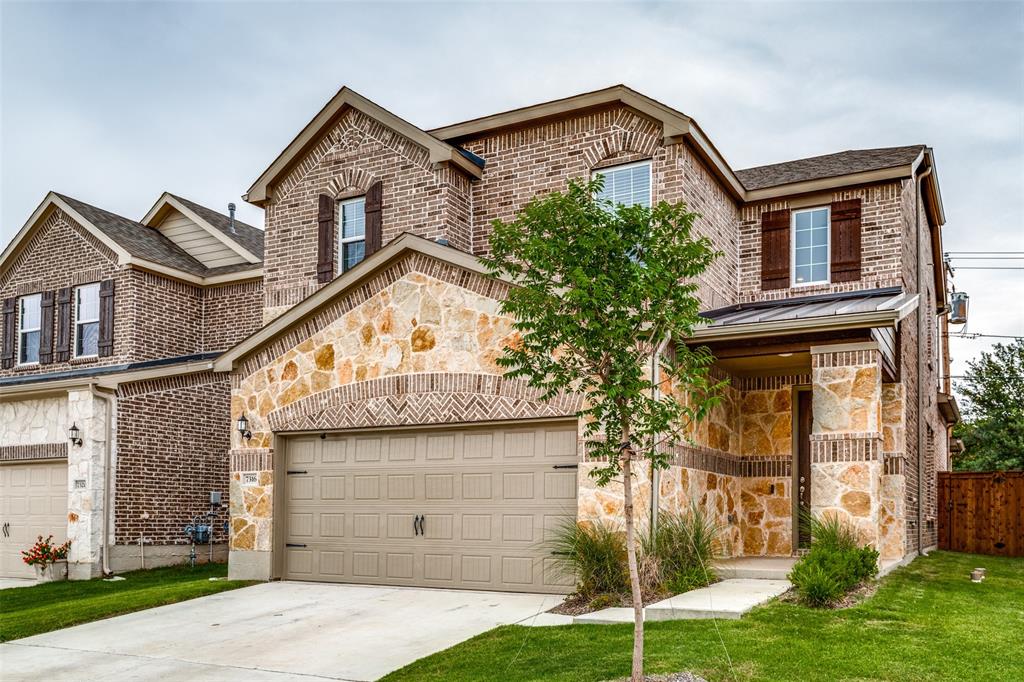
(634, 573)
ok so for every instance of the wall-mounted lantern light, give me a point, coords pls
(243, 427)
(75, 434)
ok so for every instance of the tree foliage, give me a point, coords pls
(603, 295)
(600, 287)
(993, 412)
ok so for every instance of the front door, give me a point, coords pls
(804, 418)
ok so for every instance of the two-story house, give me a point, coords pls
(378, 442)
(113, 426)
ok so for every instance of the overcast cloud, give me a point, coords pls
(114, 103)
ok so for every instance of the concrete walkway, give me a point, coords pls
(728, 600)
(8, 583)
(274, 632)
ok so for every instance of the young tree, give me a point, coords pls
(993, 426)
(601, 291)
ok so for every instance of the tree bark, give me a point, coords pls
(634, 573)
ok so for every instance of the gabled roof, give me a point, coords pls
(675, 124)
(829, 166)
(404, 245)
(131, 242)
(242, 238)
(440, 152)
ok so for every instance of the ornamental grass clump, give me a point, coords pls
(684, 544)
(44, 552)
(835, 565)
(596, 554)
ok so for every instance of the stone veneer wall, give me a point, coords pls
(846, 437)
(892, 510)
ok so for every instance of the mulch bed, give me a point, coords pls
(577, 605)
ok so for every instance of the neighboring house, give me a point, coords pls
(110, 326)
(381, 443)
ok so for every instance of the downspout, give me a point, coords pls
(920, 359)
(108, 414)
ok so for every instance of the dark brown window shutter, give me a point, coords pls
(374, 200)
(46, 331)
(62, 351)
(775, 249)
(7, 358)
(106, 340)
(325, 239)
(845, 239)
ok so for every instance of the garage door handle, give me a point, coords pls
(293, 544)
(566, 466)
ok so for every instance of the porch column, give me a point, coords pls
(846, 438)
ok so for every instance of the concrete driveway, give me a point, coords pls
(273, 632)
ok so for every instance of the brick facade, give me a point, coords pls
(154, 316)
(356, 152)
(173, 437)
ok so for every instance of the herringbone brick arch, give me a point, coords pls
(412, 399)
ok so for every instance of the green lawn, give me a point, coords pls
(28, 611)
(927, 622)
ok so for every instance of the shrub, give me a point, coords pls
(684, 545)
(595, 553)
(815, 585)
(835, 564)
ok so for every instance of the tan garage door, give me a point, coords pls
(463, 508)
(33, 502)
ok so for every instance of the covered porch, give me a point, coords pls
(813, 419)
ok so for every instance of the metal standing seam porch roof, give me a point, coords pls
(847, 310)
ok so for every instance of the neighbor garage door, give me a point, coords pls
(33, 502)
(466, 508)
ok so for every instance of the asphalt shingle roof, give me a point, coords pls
(150, 244)
(827, 166)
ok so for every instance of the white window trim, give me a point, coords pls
(828, 248)
(341, 228)
(74, 327)
(22, 331)
(625, 166)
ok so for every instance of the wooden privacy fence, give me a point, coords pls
(982, 512)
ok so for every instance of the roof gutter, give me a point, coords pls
(109, 381)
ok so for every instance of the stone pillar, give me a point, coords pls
(251, 496)
(846, 438)
(892, 516)
(85, 484)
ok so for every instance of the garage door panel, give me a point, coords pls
(34, 503)
(489, 497)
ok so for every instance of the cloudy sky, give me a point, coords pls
(115, 102)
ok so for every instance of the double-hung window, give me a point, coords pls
(810, 246)
(87, 320)
(352, 232)
(629, 184)
(29, 326)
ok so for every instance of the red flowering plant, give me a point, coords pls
(44, 552)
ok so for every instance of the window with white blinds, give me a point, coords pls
(629, 185)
